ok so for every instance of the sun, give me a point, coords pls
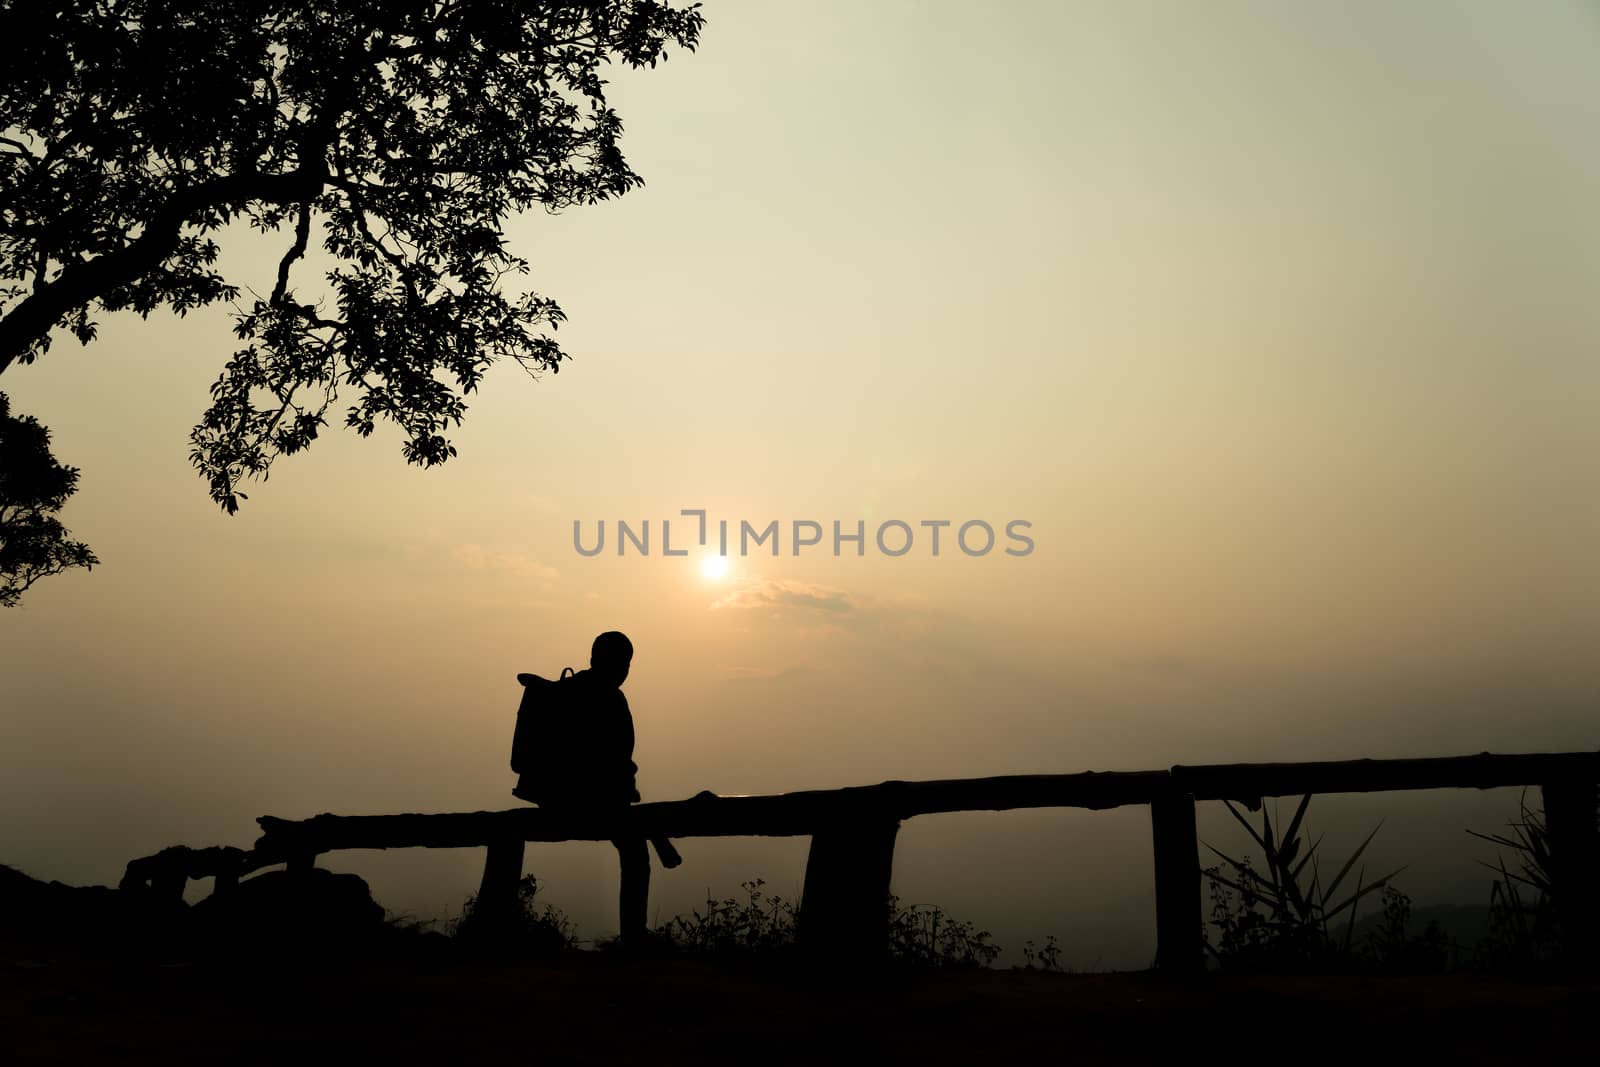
(714, 567)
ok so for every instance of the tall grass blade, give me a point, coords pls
(1333, 886)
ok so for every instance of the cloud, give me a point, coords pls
(476, 557)
(778, 593)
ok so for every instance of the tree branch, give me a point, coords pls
(302, 234)
(83, 281)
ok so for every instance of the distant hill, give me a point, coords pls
(1465, 924)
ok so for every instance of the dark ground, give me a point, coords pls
(306, 968)
(598, 1009)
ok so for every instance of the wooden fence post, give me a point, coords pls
(502, 871)
(844, 907)
(1180, 943)
(1572, 830)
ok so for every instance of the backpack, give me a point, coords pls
(537, 742)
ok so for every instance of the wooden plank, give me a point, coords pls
(797, 814)
(1251, 781)
(810, 812)
(1097, 790)
(1180, 947)
(844, 907)
(227, 864)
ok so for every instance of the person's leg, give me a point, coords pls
(635, 895)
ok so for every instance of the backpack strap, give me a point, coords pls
(567, 672)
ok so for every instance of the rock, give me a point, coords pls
(54, 916)
(298, 910)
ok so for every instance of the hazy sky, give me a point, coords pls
(1279, 323)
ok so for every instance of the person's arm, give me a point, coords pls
(625, 742)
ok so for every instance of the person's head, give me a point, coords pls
(611, 656)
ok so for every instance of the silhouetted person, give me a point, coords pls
(593, 768)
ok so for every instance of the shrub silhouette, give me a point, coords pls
(1046, 957)
(526, 929)
(765, 925)
(1524, 933)
(922, 935)
(1279, 920)
(759, 924)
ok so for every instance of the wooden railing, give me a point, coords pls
(843, 902)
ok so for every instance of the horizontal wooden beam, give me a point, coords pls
(172, 868)
(800, 814)
(1251, 781)
(710, 815)
(1091, 789)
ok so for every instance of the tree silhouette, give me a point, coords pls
(33, 487)
(400, 133)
